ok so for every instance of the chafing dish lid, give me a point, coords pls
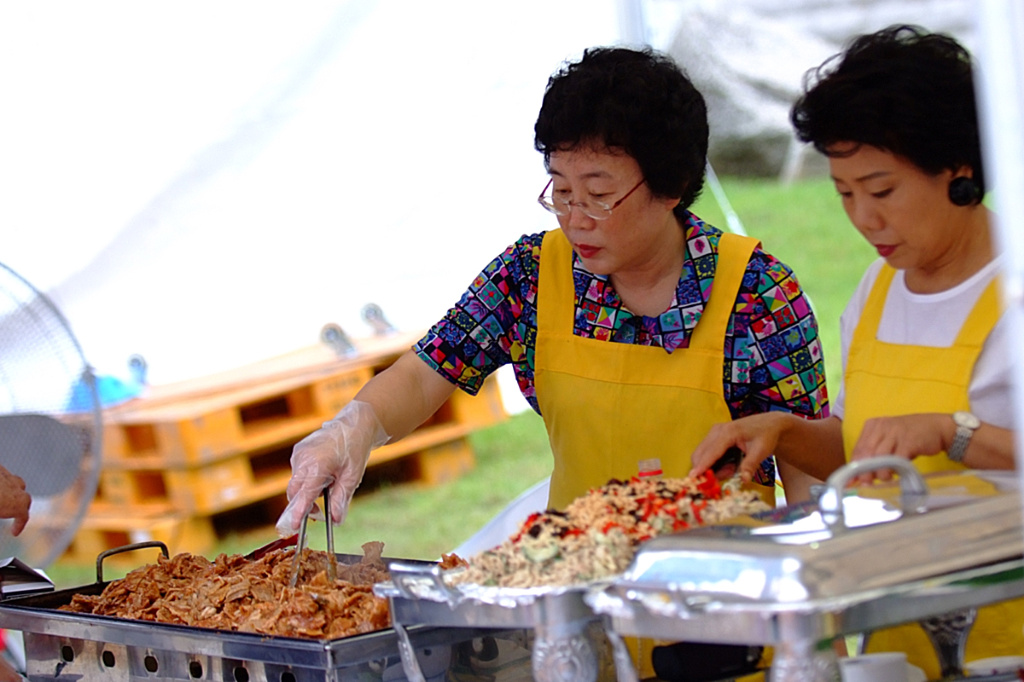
(798, 553)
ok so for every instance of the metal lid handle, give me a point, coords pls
(413, 581)
(912, 485)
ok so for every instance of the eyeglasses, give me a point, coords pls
(598, 210)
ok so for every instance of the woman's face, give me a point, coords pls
(637, 231)
(902, 211)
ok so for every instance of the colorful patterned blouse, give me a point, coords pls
(773, 356)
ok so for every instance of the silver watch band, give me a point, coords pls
(960, 441)
(966, 425)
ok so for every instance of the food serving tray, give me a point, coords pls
(564, 645)
(568, 643)
(799, 576)
(92, 647)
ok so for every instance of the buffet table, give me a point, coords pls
(793, 578)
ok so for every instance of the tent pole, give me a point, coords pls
(1001, 104)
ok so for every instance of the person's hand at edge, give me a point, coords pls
(14, 500)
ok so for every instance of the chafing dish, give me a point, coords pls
(564, 634)
(567, 640)
(88, 647)
(797, 577)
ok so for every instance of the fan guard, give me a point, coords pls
(51, 421)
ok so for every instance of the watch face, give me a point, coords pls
(966, 419)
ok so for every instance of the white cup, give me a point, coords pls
(888, 666)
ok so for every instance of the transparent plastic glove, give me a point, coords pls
(335, 455)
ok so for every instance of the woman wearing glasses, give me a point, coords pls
(632, 328)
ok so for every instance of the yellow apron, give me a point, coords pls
(609, 405)
(606, 405)
(885, 379)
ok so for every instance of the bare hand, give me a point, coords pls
(906, 436)
(756, 435)
(14, 501)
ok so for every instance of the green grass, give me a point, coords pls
(803, 225)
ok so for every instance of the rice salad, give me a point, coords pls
(598, 534)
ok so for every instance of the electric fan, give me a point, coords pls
(51, 421)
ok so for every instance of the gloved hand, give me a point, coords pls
(335, 455)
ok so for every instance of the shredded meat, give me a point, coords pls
(449, 561)
(234, 593)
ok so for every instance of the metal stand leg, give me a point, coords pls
(625, 671)
(410, 664)
(564, 653)
(948, 634)
(799, 658)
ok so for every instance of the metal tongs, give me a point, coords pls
(301, 542)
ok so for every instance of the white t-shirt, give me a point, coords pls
(935, 320)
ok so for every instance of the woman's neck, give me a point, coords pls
(650, 288)
(967, 255)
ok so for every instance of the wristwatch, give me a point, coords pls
(966, 424)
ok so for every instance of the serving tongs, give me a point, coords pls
(332, 566)
(273, 546)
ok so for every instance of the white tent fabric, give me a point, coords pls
(208, 184)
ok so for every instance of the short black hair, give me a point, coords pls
(639, 101)
(902, 89)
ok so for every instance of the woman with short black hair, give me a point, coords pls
(927, 350)
(631, 329)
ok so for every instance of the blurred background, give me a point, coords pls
(208, 184)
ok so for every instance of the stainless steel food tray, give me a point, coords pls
(820, 572)
(86, 647)
(566, 637)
